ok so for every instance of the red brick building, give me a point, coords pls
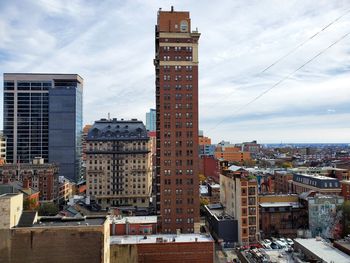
(345, 189)
(176, 66)
(209, 167)
(281, 181)
(41, 177)
(133, 225)
(162, 248)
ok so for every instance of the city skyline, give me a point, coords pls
(238, 42)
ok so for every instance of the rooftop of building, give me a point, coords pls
(8, 195)
(203, 189)
(313, 194)
(161, 238)
(57, 221)
(133, 219)
(344, 243)
(214, 186)
(114, 129)
(235, 168)
(319, 177)
(218, 211)
(25, 166)
(323, 250)
(280, 204)
(41, 76)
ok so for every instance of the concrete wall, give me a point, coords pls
(54, 245)
(11, 207)
(124, 253)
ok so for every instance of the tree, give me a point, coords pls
(29, 204)
(345, 208)
(202, 178)
(204, 201)
(249, 163)
(287, 165)
(48, 209)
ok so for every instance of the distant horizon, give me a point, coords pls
(285, 143)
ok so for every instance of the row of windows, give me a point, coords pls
(168, 230)
(188, 96)
(178, 58)
(186, 48)
(91, 192)
(178, 87)
(177, 162)
(167, 125)
(178, 181)
(167, 106)
(177, 77)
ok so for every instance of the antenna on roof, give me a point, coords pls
(109, 116)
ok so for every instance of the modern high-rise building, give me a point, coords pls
(176, 66)
(43, 118)
(2, 148)
(151, 120)
(118, 163)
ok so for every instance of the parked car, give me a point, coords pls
(290, 241)
(274, 245)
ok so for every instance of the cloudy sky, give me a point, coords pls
(111, 45)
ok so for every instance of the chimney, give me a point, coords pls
(172, 8)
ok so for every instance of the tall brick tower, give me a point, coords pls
(176, 65)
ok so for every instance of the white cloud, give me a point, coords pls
(111, 45)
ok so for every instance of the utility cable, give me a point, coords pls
(283, 79)
(303, 43)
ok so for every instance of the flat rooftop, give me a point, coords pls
(162, 238)
(8, 195)
(321, 177)
(323, 250)
(68, 222)
(218, 211)
(134, 220)
(280, 204)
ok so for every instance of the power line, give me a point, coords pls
(303, 43)
(296, 48)
(283, 79)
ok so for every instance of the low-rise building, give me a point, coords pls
(65, 189)
(30, 196)
(209, 167)
(281, 215)
(50, 239)
(281, 179)
(223, 227)
(41, 177)
(324, 219)
(174, 248)
(133, 225)
(231, 153)
(318, 250)
(322, 184)
(345, 189)
(214, 193)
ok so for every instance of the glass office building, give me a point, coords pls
(151, 120)
(43, 118)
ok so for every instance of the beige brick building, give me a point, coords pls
(118, 163)
(239, 196)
